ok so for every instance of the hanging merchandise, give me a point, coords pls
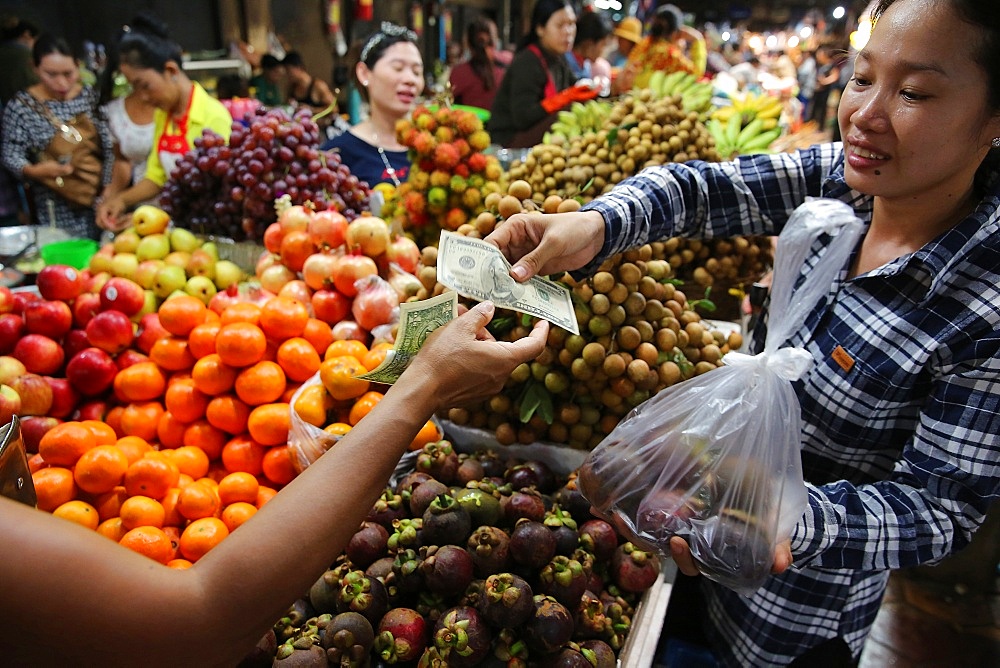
(364, 10)
(334, 25)
(417, 17)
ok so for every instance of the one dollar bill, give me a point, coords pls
(416, 322)
(479, 271)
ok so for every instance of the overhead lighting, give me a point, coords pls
(613, 5)
(771, 42)
(806, 32)
(726, 36)
(838, 12)
(793, 42)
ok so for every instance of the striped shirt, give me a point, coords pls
(900, 438)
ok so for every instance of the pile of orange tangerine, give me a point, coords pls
(199, 441)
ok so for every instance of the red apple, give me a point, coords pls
(85, 307)
(149, 332)
(49, 318)
(94, 409)
(22, 299)
(121, 294)
(64, 397)
(60, 282)
(10, 403)
(39, 354)
(10, 368)
(91, 371)
(6, 299)
(36, 394)
(330, 306)
(110, 331)
(127, 358)
(34, 427)
(75, 341)
(11, 331)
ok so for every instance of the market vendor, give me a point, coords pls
(900, 440)
(390, 76)
(539, 81)
(151, 63)
(103, 604)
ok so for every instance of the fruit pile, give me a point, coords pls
(450, 175)
(639, 334)
(164, 260)
(640, 131)
(748, 125)
(473, 560)
(230, 189)
(352, 275)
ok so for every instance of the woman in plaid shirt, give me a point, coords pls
(901, 435)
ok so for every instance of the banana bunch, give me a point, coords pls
(749, 106)
(733, 139)
(579, 119)
(695, 95)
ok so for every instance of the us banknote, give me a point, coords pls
(477, 270)
(416, 322)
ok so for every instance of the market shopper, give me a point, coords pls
(586, 58)
(304, 88)
(390, 76)
(267, 85)
(475, 82)
(130, 119)
(56, 140)
(539, 81)
(662, 50)
(900, 443)
(151, 62)
(627, 34)
(105, 605)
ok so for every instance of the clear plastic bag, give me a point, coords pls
(715, 459)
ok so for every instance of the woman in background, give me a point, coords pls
(130, 119)
(475, 82)
(539, 81)
(660, 50)
(390, 75)
(31, 121)
(152, 64)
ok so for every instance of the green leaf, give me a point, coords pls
(612, 136)
(536, 398)
(500, 326)
(525, 320)
(705, 303)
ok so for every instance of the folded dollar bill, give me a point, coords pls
(477, 270)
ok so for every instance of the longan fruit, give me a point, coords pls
(568, 206)
(509, 206)
(520, 189)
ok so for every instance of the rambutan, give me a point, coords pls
(437, 198)
(424, 143)
(467, 122)
(414, 202)
(479, 140)
(463, 147)
(457, 184)
(476, 163)
(472, 199)
(462, 170)
(440, 178)
(455, 218)
(444, 134)
(446, 156)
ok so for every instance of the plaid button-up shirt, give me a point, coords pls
(901, 447)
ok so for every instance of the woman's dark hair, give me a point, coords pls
(592, 27)
(985, 17)
(380, 40)
(14, 28)
(145, 44)
(46, 45)
(293, 59)
(544, 9)
(479, 35)
(229, 86)
(667, 20)
(269, 62)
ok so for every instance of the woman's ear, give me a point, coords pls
(171, 69)
(363, 72)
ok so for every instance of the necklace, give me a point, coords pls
(385, 160)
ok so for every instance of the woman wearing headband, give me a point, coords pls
(390, 75)
(152, 64)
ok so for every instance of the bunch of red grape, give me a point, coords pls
(229, 189)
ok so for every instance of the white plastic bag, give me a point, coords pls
(716, 459)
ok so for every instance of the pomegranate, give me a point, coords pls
(317, 270)
(349, 268)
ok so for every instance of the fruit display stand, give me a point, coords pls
(641, 644)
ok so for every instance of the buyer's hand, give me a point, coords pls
(109, 214)
(538, 243)
(461, 362)
(50, 169)
(686, 564)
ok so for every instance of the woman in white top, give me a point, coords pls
(131, 121)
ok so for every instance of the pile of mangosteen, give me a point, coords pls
(473, 560)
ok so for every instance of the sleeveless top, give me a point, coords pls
(134, 140)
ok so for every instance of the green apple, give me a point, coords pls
(227, 273)
(149, 305)
(168, 279)
(145, 273)
(124, 265)
(201, 264)
(183, 240)
(153, 247)
(101, 260)
(176, 293)
(200, 287)
(126, 241)
(178, 258)
(148, 219)
(210, 248)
